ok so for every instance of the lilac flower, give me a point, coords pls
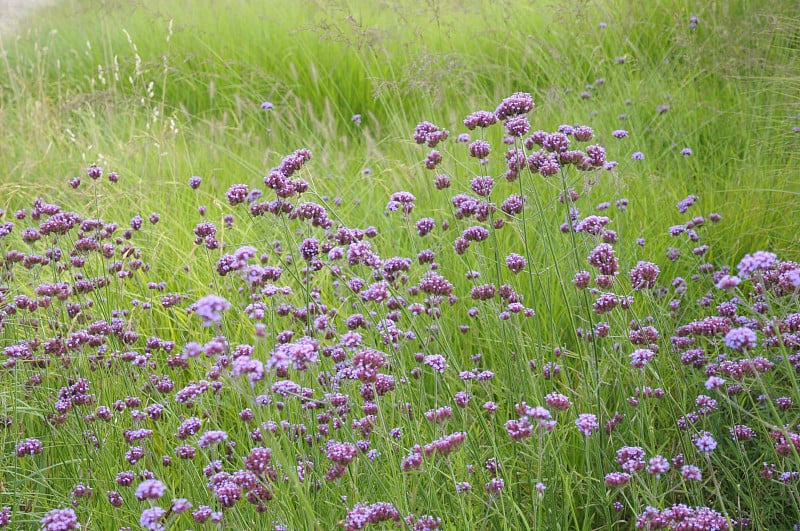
(638, 155)
(267, 105)
(362, 514)
(587, 423)
(704, 442)
(60, 520)
(429, 134)
(437, 362)
(620, 133)
(425, 226)
(515, 105)
(681, 516)
(517, 126)
(29, 446)
(740, 339)
(617, 479)
(236, 194)
(728, 282)
(657, 466)
(495, 486)
(180, 505)
(94, 171)
(194, 182)
(691, 473)
(482, 186)
(684, 204)
(479, 149)
(151, 519)
(481, 119)
(151, 489)
(212, 437)
(644, 275)
(686, 152)
(515, 262)
(446, 445)
(760, 260)
(558, 401)
(433, 159)
(356, 119)
(210, 308)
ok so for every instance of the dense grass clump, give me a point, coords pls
(319, 265)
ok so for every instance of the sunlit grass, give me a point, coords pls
(163, 93)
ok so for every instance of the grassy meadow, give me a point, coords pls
(420, 265)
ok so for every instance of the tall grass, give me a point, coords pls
(160, 94)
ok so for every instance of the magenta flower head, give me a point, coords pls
(515, 262)
(210, 308)
(587, 423)
(29, 446)
(61, 520)
(94, 171)
(267, 105)
(236, 194)
(515, 105)
(480, 119)
(644, 275)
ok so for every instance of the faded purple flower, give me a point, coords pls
(210, 308)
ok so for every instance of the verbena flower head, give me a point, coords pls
(644, 276)
(587, 423)
(758, 261)
(429, 134)
(480, 119)
(60, 520)
(94, 171)
(210, 308)
(267, 105)
(29, 446)
(704, 442)
(151, 489)
(515, 105)
(151, 519)
(740, 339)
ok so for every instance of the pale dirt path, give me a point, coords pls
(13, 11)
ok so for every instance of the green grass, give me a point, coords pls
(161, 93)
